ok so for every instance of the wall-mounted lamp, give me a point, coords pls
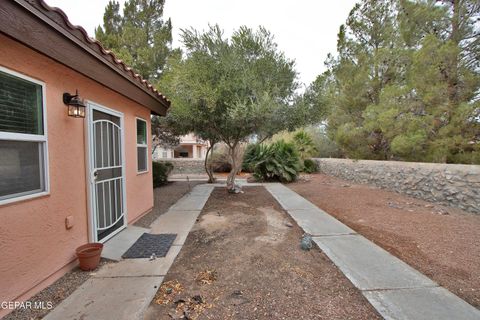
(76, 107)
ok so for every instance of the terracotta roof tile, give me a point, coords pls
(58, 16)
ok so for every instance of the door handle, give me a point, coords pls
(94, 175)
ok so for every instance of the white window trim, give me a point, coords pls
(141, 145)
(31, 137)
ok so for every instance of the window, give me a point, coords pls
(23, 140)
(142, 148)
(164, 153)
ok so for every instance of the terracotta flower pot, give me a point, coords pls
(89, 255)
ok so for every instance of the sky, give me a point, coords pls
(306, 30)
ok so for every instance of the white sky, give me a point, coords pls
(306, 30)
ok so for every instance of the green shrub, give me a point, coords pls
(160, 172)
(277, 161)
(219, 161)
(310, 166)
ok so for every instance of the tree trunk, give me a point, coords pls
(235, 153)
(453, 72)
(208, 168)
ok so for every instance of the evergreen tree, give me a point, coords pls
(406, 82)
(141, 38)
(368, 61)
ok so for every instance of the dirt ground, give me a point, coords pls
(440, 242)
(164, 197)
(243, 260)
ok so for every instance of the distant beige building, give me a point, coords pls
(190, 147)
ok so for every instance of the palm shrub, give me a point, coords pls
(277, 161)
(304, 144)
(160, 172)
(253, 154)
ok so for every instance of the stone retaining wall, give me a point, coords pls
(449, 184)
(186, 166)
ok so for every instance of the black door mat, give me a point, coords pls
(149, 244)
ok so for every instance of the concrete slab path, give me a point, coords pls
(108, 298)
(116, 246)
(123, 290)
(396, 290)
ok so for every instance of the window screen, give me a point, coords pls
(21, 168)
(22, 138)
(142, 148)
(141, 132)
(20, 105)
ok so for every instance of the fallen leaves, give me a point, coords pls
(206, 277)
(191, 308)
(168, 291)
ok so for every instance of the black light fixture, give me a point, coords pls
(76, 107)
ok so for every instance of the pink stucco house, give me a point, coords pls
(65, 179)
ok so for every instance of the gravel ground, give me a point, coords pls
(164, 197)
(441, 242)
(243, 260)
(54, 293)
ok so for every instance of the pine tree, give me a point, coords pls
(368, 61)
(141, 38)
(406, 82)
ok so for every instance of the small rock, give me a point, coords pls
(237, 293)
(306, 243)
(288, 224)
(394, 205)
(198, 299)
(443, 212)
(346, 186)
(235, 189)
(186, 315)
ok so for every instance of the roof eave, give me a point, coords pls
(38, 26)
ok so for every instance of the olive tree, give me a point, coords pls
(232, 89)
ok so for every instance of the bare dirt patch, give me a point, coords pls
(440, 242)
(226, 269)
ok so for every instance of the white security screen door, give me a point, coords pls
(107, 174)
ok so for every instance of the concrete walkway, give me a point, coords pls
(397, 291)
(394, 288)
(123, 290)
